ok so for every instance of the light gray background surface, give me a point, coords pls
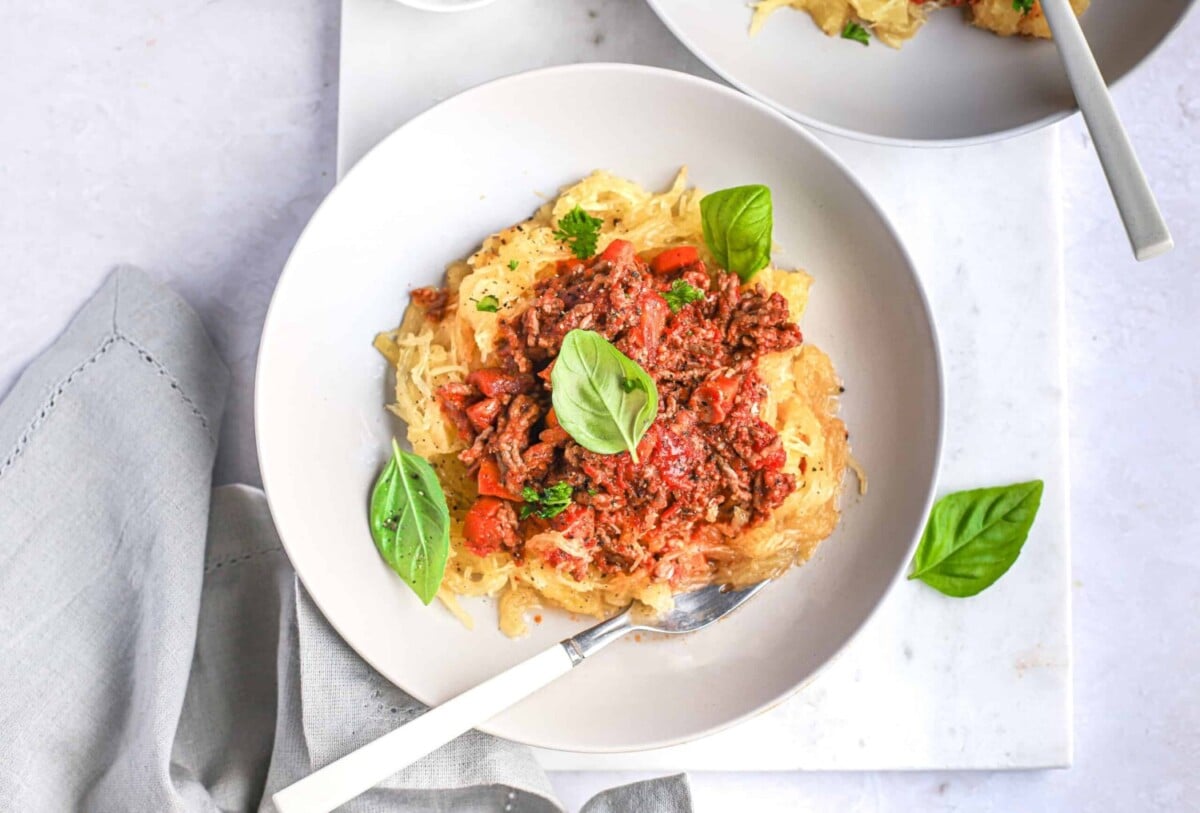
(195, 139)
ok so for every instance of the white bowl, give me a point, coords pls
(445, 5)
(952, 84)
(429, 194)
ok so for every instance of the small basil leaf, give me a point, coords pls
(854, 31)
(974, 537)
(592, 400)
(737, 228)
(410, 522)
(488, 304)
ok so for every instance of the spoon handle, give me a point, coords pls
(342, 780)
(1144, 223)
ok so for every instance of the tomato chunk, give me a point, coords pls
(774, 459)
(675, 459)
(490, 523)
(654, 312)
(713, 399)
(492, 381)
(490, 482)
(618, 252)
(453, 398)
(674, 258)
(481, 414)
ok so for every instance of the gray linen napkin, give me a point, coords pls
(156, 649)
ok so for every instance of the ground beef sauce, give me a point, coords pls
(708, 465)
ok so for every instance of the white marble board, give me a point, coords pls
(932, 682)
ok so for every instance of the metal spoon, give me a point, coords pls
(1148, 233)
(358, 771)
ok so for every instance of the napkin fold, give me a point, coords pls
(156, 650)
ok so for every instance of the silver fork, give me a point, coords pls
(340, 781)
(1148, 232)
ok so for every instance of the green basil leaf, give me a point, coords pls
(488, 304)
(410, 522)
(974, 537)
(737, 228)
(854, 31)
(593, 400)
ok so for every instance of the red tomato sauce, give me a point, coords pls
(708, 464)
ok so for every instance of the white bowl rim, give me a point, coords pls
(634, 70)
(893, 141)
(438, 7)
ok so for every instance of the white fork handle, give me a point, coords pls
(340, 781)
(1148, 233)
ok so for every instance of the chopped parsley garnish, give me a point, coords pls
(579, 231)
(547, 505)
(854, 31)
(1023, 6)
(680, 294)
(512, 265)
(488, 304)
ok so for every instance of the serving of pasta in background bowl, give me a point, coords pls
(512, 380)
(913, 72)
